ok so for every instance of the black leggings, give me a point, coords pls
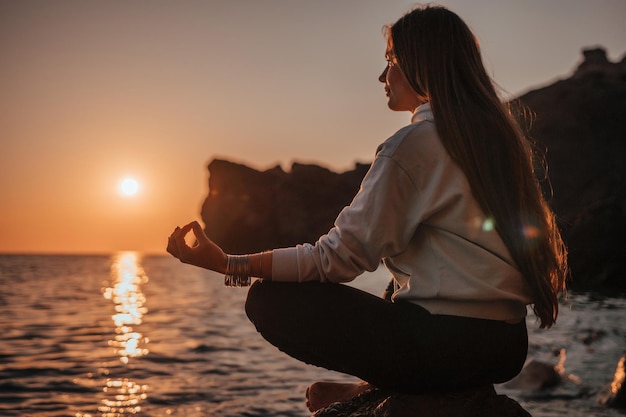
(396, 346)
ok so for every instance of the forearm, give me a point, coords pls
(261, 265)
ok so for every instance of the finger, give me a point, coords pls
(179, 235)
(174, 233)
(172, 247)
(172, 251)
(198, 231)
(185, 229)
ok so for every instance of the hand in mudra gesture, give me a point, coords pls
(205, 253)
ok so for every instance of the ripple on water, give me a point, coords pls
(199, 356)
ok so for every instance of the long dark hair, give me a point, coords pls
(441, 59)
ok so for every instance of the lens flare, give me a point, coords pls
(530, 231)
(489, 224)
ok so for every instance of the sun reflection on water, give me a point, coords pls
(129, 305)
(124, 396)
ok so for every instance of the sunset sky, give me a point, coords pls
(92, 92)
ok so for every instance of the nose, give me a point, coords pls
(383, 76)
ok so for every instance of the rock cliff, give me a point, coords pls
(579, 121)
(249, 210)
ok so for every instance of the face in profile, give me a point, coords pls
(400, 94)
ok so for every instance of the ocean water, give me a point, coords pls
(126, 335)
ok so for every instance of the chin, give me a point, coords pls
(395, 107)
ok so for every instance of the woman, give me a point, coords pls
(453, 209)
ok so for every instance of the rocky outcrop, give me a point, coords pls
(535, 376)
(249, 210)
(482, 402)
(579, 121)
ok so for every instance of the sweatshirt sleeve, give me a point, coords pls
(379, 223)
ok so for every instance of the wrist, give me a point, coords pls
(237, 271)
(223, 265)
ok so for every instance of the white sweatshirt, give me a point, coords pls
(416, 213)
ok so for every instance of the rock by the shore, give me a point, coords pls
(250, 211)
(579, 121)
(535, 376)
(482, 402)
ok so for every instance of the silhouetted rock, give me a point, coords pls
(580, 121)
(249, 210)
(535, 376)
(482, 402)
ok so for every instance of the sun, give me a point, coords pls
(129, 187)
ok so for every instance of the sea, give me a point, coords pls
(128, 334)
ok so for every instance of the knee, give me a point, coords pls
(254, 301)
(270, 305)
(514, 354)
(265, 303)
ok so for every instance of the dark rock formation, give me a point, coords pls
(474, 403)
(249, 210)
(580, 121)
(535, 376)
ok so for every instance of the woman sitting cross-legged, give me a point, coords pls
(453, 209)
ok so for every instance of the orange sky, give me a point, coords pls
(95, 91)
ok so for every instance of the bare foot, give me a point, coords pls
(321, 394)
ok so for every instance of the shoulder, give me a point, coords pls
(417, 143)
(420, 134)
